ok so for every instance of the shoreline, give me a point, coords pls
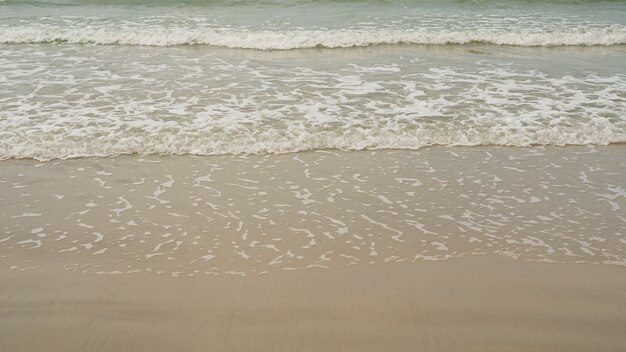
(323, 150)
(255, 214)
(435, 249)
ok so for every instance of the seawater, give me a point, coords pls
(99, 78)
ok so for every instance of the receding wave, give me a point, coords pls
(125, 100)
(296, 39)
(277, 142)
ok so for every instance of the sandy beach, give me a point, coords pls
(439, 249)
(483, 303)
(306, 175)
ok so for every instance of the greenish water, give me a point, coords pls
(221, 77)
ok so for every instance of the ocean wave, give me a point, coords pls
(275, 142)
(105, 101)
(298, 39)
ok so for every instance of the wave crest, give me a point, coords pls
(297, 39)
(272, 142)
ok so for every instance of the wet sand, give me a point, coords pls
(482, 303)
(441, 249)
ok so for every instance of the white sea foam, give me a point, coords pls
(90, 103)
(274, 142)
(297, 39)
(366, 222)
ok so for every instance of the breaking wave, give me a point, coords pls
(296, 39)
(277, 142)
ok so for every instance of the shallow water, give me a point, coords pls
(189, 216)
(62, 101)
(89, 78)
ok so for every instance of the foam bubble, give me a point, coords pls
(299, 39)
(241, 106)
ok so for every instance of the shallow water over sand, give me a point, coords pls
(253, 215)
(61, 101)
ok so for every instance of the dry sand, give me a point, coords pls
(442, 249)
